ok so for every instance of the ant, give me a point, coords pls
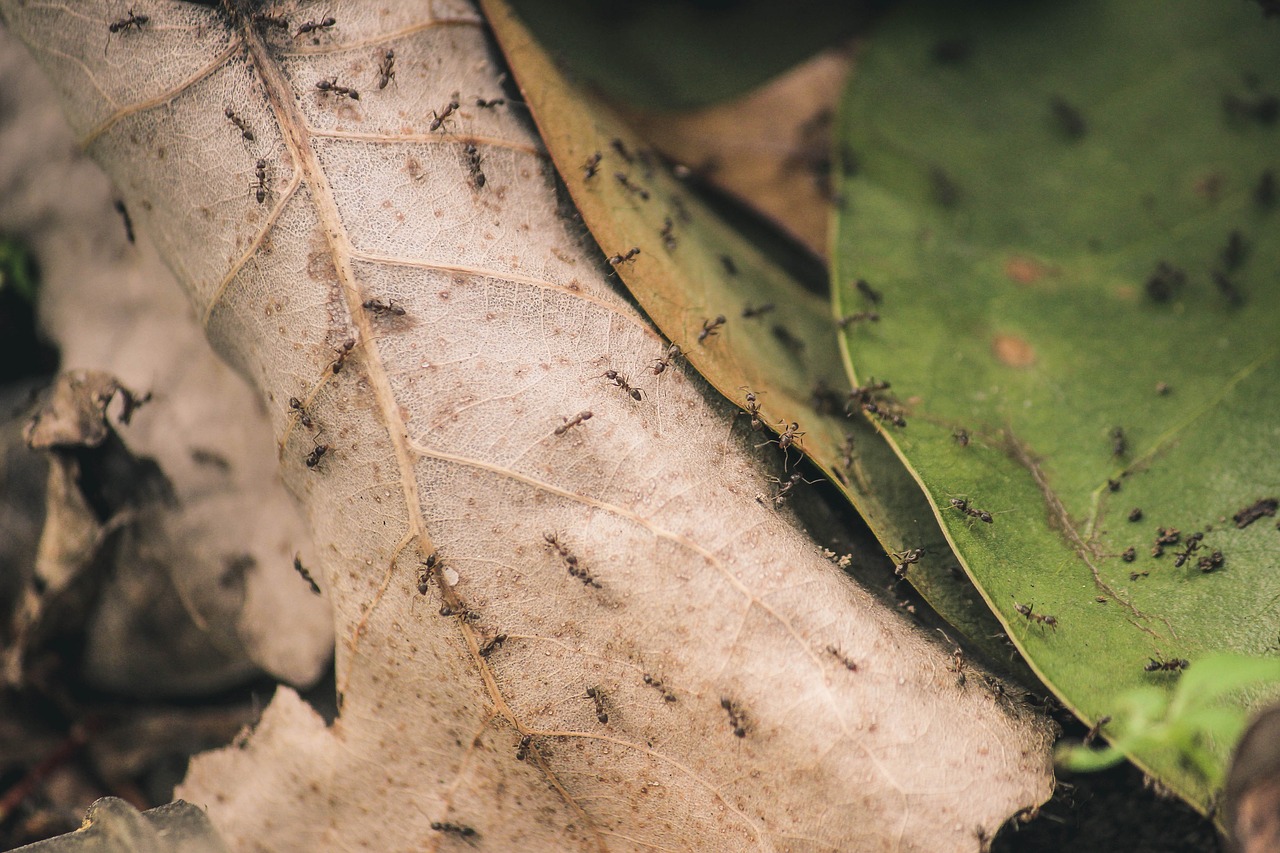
(304, 574)
(905, 559)
(424, 574)
(710, 328)
(570, 560)
(980, 514)
(788, 437)
(438, 119)
(737, 720)
(270, 20)
(843, 658)
(628, 258)
(753, 311)
(1096, 729)
(619, 146)
(621, 381)
(240, 123)
(261, 184)
(597, 695)
(1211, 563)
(331, 85)
(753, 409)
(131, 21)
(1171, 665)
(622, 179)
(1025, 610)
(473, 164)
(490, 104)
(312, 26)
(591, 166)
(861, 316)
(656, 684)
(296, 405)
(386, 68)
(961, 436)
(570, 423)
(871, 407)
(492, 645)
(128, 221)
(343, 351)
(1189, 547)
(667, 234)
(316, 454)
(1119, 443)
(872, 295)
(460, 830)
(663, 362)
(378, 306)
(522, 752)
(785, 487)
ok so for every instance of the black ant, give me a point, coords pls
(628, 258)
(473, 164)
(424, 574)
(621, 381)
(269, 20)
(296, 405)
(961, 436)
(312, 26)
(980, 514)
(596, 695)
(570, 423)
(859, 317)
(1171, 665)
(710, 328)
(753, 409)
(1119, 443)
(591, 166)
(131, 21)
(261, 185)
(737, 720)
(386, 68)
(871, 407)
(751, 312)
(316, 454)
(570, 560)
(872, 295)
(492, 645)
(843, 658)
(128, 221)
(239, 123)
(656, 684)
(438, 119)
(1189, 547)
(619, 146)
(490, 104)
(379, 306)
(790, 434)
(904, 559)
(343, 351)
(522, 752)
(622, 179)
(668, 234)
(662, 363)
(331, 86)
(1025, 610)
(1096, 729)
(304, 574)
(784, 488)
(460, 830)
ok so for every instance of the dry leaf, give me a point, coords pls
(551, 637)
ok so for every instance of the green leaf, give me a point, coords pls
(691, 268)
(1015, 203)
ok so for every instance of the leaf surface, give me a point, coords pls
(550, 636)
(1026, 173)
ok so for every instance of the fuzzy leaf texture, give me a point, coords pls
(675, 670)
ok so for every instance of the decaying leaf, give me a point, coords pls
(556, 632)
(114, 826)
(212, 560)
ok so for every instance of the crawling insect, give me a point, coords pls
(858, 317)
(296, 405)
(621, 381)
(963, 506)
(711, 328)
(439, 118)
(1171, 665)
(131, 21)
(591, 166)
(904, 559)
(317, 453)
(386, 68)
(664, 361)
(753, 409)
(240, 123)
(490, 104)
(313, 26)
(331, 86)
(570, 423)
(629, 257)
(388, 306)
(261, 185)
(1026, 611)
